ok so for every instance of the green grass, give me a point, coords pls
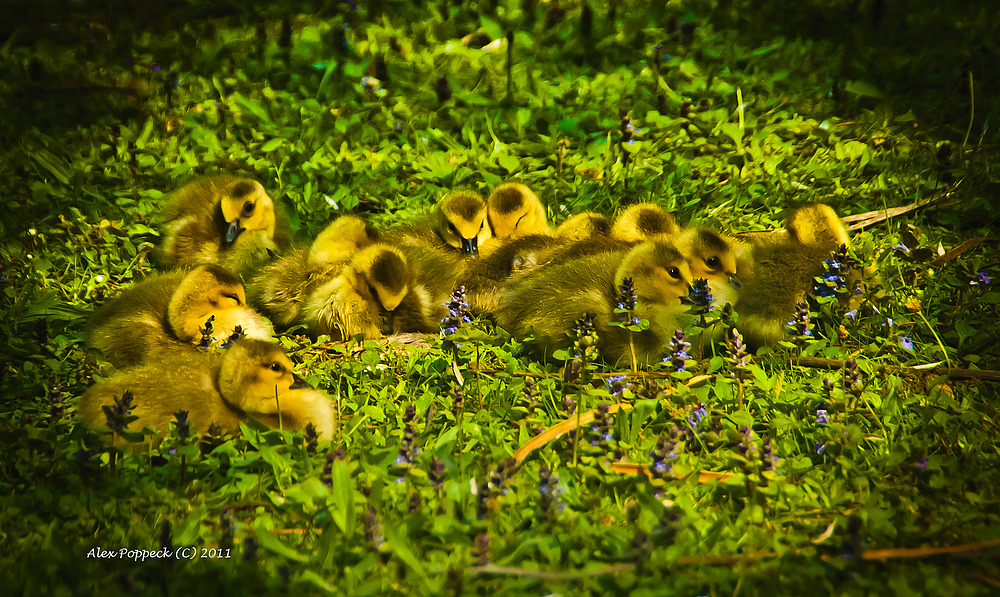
(744, 112)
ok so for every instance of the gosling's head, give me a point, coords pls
(583, 226)
(659, 272)
(205, 291)
(341, 239)
(515, 210)
(817, 226)
(254, 373)
(642, 222)
(245, 206)
(460, 219)
(383, 278)
(712, 256)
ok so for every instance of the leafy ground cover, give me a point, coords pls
(861, 458)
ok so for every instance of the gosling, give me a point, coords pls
(222, 219)
(167, 313)
(251, 378)
(546, 303)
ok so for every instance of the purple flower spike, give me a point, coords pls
(906, 343)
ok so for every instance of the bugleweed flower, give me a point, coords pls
(458, 315)
(206, 334)
(457, 399)
(982, 279)
(906, 343)
(699, 297)
(602, 429)
(236, 335)
(569, 404)
(227, 526)
(119, 414)
(481, 550)
(495, 486)
(549, 504)
(529, 392)
(800, 326)
(436, 472)
(677, 355)
(616, 385)
(746, 447)
(821, 417)
(736, 350)
(697, 414)
(626, 304)
(212, 438)
(373, 529)
(769, 460)
(250, 549)
(312, 439)
(852, 379)
(922, 463)
(327, 475)
(182, 429)
(584, 339)
(626, 295)
(834, 279)
(408, 451)
(57, 400)
(663, 456)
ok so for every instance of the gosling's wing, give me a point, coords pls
(547, 302)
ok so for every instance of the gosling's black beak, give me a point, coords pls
(734, 281)
(232, 231)
(387, 323)
(298, 383)
(470, 246)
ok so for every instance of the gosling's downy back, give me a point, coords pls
(583, 226)
(341, 239)
(515, 210)
(642, 222)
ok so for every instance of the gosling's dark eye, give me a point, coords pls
(248, 208)
(674, 273)
(371, 290)
(713, 263)
(233, 297)
(451, 227)
(277, 367)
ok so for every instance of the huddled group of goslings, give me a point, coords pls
(533, 280)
